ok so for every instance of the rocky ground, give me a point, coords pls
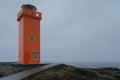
(8, 68)
(63, 72)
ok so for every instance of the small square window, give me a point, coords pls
(32, 38)
(35, 55)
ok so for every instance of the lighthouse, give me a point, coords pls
(28, 35)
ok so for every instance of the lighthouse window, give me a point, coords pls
(35, 55)
(32, 37)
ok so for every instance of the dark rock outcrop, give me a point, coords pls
(65, 72)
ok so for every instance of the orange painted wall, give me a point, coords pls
(28, 24)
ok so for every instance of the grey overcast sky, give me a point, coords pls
(71, 30)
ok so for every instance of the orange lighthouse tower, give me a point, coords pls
(28, 35)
